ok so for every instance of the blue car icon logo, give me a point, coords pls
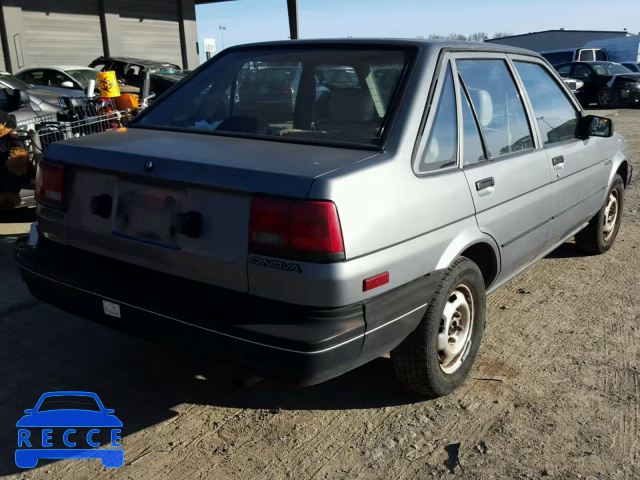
(69, 424)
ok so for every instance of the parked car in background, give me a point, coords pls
(274, 91)
(634, 67)
(161, 82)
(65, 80)
(564, 55)
(573, 84)
(605, 83)
(40, 102)
(302, 247)
(337, 77)
(619, 49)
(129, 71)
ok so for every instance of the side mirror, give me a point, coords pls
(109, 411)
(594, 126)
(29, 411)
(67, 84)
(24, 98)
(17, 98)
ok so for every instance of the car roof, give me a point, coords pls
(69, 393)
(139, 61)
(571, 49)
(389, 42)
(60, 68)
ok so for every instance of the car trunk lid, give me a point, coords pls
(180, 202)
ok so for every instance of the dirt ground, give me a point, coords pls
(555, 392)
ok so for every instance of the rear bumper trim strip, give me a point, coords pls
(301, 352)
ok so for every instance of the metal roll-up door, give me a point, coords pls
(151, 30)
(3, 67)
(61, 33)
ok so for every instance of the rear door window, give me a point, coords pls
(279, 94)
(557, 117)
(441, 148)
(601, 55)
(498, 105)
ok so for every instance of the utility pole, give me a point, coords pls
(222, 29)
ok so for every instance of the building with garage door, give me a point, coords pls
(75, 32)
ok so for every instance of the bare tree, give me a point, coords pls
(478, 37)
(457, 36)
(502, 34)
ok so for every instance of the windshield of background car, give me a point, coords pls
(165, 68)
(69, 402)
(610, 68)
(278, 93)
(83, 76)
(13, 82)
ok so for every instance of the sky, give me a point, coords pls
(262, 20)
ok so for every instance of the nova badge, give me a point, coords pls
(148, 166)
(277, 264)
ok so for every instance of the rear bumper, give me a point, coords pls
(297, 344)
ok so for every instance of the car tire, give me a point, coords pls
(607, 98)
(598, 236)
(420, 363)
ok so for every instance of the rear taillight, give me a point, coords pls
(295, 229)
(50, 184)
(288, 90)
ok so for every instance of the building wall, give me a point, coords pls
(54, 32)
(553, 40)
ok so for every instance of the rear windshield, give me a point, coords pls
(587, 56)
(69, 402)
(330, 95)
(601, 55)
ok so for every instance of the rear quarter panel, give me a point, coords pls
(392, 221)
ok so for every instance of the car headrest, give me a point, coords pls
(483, 104)
(351, 105)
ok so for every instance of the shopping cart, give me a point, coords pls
(78, 117)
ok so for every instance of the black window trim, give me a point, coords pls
(476, 120)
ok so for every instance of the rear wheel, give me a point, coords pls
(438, 355)
(599, 235)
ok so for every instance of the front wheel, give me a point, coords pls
(598, 236)
(606, 98)
(435, 359)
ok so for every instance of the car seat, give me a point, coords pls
(351, 110)
(483, 104)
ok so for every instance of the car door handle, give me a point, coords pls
(485, 183)
(557, 160)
